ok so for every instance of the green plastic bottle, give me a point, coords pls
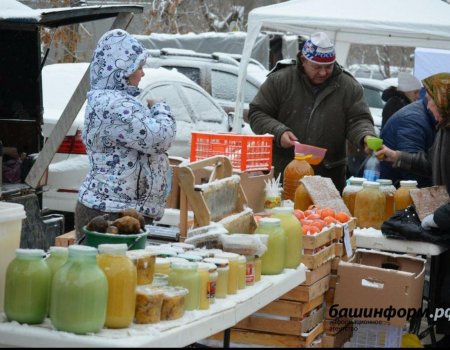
(79, 293)
(27, 287)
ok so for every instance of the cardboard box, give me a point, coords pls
(372, 281)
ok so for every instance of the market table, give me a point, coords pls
(193, 326)
(374, 239)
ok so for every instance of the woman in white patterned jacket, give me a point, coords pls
(126, 141)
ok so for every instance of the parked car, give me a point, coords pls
(217, 73)
(373, 89)
(194, 110)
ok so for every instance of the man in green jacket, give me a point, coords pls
(313, 101)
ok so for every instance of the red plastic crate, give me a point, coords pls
(246, 152)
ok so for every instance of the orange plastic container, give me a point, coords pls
(246, 152)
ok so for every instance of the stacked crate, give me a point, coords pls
(297, 318)
(338, 330)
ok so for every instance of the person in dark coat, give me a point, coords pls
(398, 97)
(436, 160)
(411, 129)
(313, 101)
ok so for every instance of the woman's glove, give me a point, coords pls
(428, 222)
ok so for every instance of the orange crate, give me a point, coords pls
(246, 152)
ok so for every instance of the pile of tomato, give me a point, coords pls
(314, 219)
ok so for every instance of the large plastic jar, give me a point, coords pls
(203, 271)
(402, 198)
(388, 189)
(27, 287)
(185, 274)
(349, 192)
(222, 276)
(273, 260)
(122, 281)
(294, 171)
(79, 293)
(302, 198)
(233, 270)
(294, 237)
(369, 206)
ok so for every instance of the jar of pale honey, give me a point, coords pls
(370, 205)
(388, 189)
(402, 198)
(349, 192)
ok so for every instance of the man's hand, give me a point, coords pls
(387, 154)
(287, 139)
(428, 222)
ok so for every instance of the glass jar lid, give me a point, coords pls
(82, 250)
(270, 222)
(30, 253)
(227, 255)
(220, 263)
(113, 249)
(188, 265)
(357, 180)
(371, 184)
(408, 183)
(288, 210)
(58, 250)
(385, 182)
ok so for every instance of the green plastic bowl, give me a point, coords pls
(136, 241)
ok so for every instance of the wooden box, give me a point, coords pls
(306, 293)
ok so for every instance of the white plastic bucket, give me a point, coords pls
(11, 216)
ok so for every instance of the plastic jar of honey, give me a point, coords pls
(212, 283)
(233, 270)
(349, 192)
(369, 205)
(273, 260)
(222, 276)
(388, 189)
(402, 198)
(294, 171)
(242, 267)
(294, 237)
(203, 271)
(162, 265)
(122, 281)
(144, 260)
(185, 274)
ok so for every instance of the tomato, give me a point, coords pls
(327, 212)
(299, 214)
(342, 217)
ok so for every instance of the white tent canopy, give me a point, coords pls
(413, 23)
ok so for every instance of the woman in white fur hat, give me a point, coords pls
(398, 97)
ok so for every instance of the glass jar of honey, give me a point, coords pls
(370, 205)
(349, 192)
(388, 189)
(402, 198)
(292, 174)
